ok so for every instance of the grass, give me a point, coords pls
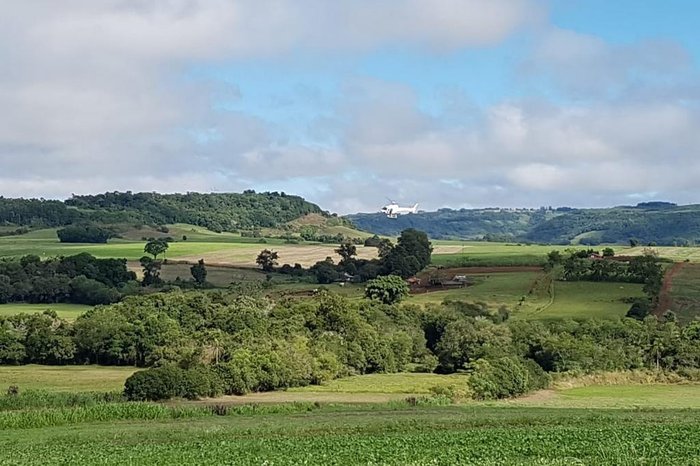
(410, 383)
(480, 253)
(685, 292)
(660, 396)
(64, 311)
(498, 289)
(65, 378)
(529, 295)
(586, 299)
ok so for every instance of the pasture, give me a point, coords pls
(69, 312)
(534, 295)
(65, 378)
(684, 292)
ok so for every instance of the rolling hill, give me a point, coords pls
(216, 211)
(661, 223)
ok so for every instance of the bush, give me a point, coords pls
(155, 384)
(500, 378)
(84, 234)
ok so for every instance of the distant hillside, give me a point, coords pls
(661, 223)
(457, 224)
(217, 212)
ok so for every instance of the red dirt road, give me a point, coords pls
(665, 299)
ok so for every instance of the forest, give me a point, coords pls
(202, 344)
(216, 211)
(79, 279)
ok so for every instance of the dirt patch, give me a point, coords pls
(665, 298)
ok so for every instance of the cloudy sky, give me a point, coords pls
(450, 103)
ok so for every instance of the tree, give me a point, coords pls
(608, 252)
(156, 247)
(346, 251)
(151, 271)
(388, 289)
(199, 272)
(410, 255)
(267, 260)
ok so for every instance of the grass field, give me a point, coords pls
(528, 295)
(685, 292)
(64, 311)
(497, 289)
(586, 299)
(659, 396)
(65, 378)
(412, 383)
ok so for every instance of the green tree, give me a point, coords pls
(410, 255)
(199, 272)
(267, 260)
(156, 247)
(347, 251)
(151, 271)
(388, 289)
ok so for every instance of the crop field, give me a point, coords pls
(356, 435)
(65, 311)
(357, 420)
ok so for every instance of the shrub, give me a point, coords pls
(500, 378)
(155, 384)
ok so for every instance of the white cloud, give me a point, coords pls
(96, 96)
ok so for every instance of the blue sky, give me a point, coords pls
(450, 103)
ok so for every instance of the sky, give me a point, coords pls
(448, 103)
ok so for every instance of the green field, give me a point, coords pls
(685, 292)
(592, 424)
(578, 300)
(64, 311)
(528, 295)
(660, 396)
(412, 383)
(369, 435)
(65, 378)
(496, 289)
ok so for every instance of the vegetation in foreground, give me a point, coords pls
(325, 435)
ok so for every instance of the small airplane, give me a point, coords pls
(393, 210)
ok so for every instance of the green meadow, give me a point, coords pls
(65, 311)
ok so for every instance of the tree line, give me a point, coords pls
(411, 254)
(80, 279)
(236, 343)
(217, 211)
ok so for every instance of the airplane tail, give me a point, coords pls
(414, 209)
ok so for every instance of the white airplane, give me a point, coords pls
(392, 210)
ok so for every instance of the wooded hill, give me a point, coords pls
(217, 212)
(661, 223)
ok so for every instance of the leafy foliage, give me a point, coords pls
(217, 211)
(388, 289)
(80, 279)
(84, 234)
